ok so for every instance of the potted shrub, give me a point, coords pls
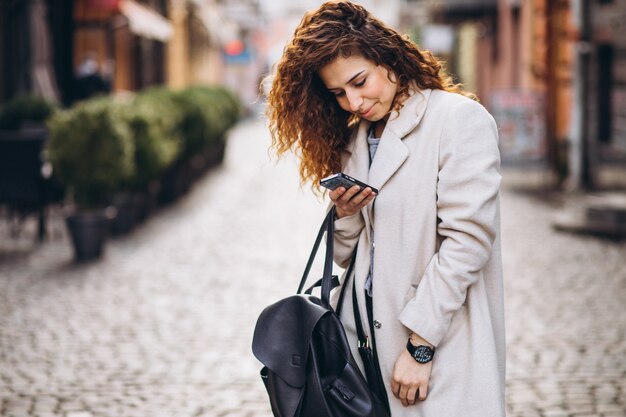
(26, 184)
(212, 125)
(160, 107)
(24, 112)
(209, 112)
(92, 151)
(228, 110)
(24, 118)
(176, 179)
(152, 122)
(196, 119)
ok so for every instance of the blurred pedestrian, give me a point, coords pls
(90, 80)
(351, 94)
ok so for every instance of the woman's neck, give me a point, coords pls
(378, 127)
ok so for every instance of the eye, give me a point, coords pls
(361, 83)
(339, 94)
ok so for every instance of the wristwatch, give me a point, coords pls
(421, 353)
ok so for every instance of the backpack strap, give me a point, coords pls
(328, 226)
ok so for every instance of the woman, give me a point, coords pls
(352, 95)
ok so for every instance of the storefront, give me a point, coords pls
(126, 39)
(608, 76)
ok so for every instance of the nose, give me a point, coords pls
(354, 100)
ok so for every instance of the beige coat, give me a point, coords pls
(437, 264)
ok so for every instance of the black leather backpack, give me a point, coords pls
(309, 369)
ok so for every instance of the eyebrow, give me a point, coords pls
(349, 81)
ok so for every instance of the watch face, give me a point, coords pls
(423, 354)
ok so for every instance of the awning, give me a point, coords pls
(220, 29)
(470, 5)
(146, 22)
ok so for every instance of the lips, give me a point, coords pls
(367, 112)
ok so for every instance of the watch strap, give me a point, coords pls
(430, 352)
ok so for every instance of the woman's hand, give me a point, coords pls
(349, 202)
(409, 380)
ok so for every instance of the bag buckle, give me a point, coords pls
(365, 344)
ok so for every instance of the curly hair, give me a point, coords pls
(304, 116)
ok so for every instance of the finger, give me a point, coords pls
(363, 198)
(358, 199)
(367, 200)
(395, 388)
(336, 193)
(403, 395)
(352, 191)
(411, 394)
(422, 392)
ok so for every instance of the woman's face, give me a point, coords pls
(360, 86)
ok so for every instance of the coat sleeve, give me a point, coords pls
(467, 205)
(347, 231)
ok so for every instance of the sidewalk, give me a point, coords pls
(162, 325)
(566, 322)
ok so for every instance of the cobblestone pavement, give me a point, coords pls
(162, 325)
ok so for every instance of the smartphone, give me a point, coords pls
(343, 180)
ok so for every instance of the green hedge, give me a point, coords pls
(154, 125)
(197, 116)
(91, 148)
(103, 145)
(24, 109)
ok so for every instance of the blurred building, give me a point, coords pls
(194, 53)
(552, 73)
(246, 55)
(600, 120)
(49, 46)
(128, 39)
(70, 49)
(27, 62)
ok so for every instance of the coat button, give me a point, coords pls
(377, 324)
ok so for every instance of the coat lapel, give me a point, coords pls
(358, 163)
(392, 152)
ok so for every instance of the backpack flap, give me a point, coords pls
(283, 333)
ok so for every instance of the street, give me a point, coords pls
(162, 325)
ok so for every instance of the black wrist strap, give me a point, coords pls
(346, 281)
(363, 341)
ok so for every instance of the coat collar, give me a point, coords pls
(392, 152)
(411, 113)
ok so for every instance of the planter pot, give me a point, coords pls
(126, 213)
(215, 154)
(26, 185)
(152, 196)
(140, 205)
(198, 165)
(211, 156)
(175, 182)
(88, 231)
